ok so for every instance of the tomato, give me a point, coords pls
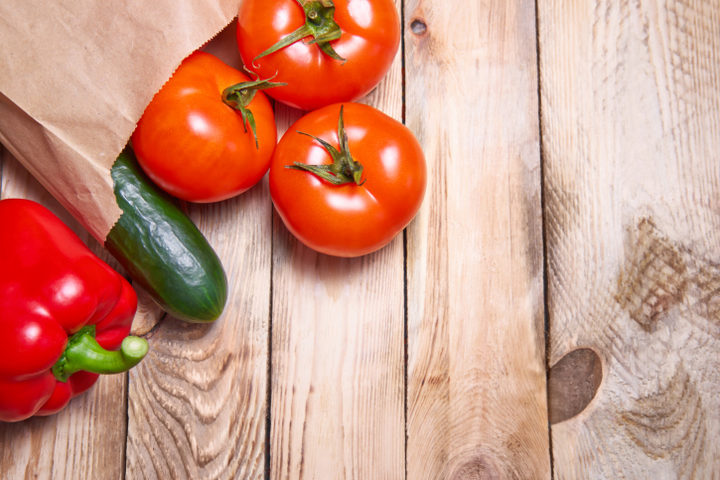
(347, 194)
(201, 142)
(356, 42)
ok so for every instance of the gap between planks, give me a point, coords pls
(546, 306)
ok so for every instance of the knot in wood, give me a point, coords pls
(418, 26)
(573, 383)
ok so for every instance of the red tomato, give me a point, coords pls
(385, 175)
(196, 146)
(369, 37)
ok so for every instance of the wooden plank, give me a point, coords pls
(198, 402)
(87, 438)
(631, 139)
(338, 356)
(476, 370)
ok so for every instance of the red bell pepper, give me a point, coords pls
(63, 314)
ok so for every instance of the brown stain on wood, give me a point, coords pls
(660, 275)
(572, 384)
(669, 423)
(636, 78)
(654, 277)
(703, 295)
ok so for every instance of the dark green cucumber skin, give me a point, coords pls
(162, 249)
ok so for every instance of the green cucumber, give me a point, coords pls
(162, 249)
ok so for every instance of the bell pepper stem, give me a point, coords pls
(83, 352)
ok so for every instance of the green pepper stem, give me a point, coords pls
(83, 352)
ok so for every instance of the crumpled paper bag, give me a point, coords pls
(75, 77)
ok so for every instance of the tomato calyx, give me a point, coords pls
(344, 169)
(240, 95)
(319, 22)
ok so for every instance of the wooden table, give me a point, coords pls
(553, 310)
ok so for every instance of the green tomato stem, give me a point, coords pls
(319, 23)
(240, 95)
(344, 169)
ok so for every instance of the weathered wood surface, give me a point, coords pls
(337, 396)
(197, 405)
(630, 96)
(476, 361)
(605, 186)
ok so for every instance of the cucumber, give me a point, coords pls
(162, 249)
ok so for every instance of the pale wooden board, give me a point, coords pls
(631, 145)
(198, 402)
(476, 366)
(337, 391)
(87, 438)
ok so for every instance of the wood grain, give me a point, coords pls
(476, 367)
(338, 350)
(91, 430)
(630, 96)
(85, 440)
(197, 403)
(630, 128)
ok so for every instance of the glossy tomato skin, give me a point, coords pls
(196, 147)
(348, 220)
(369, 42)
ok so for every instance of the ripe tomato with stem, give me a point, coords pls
(347, 178)
(209, 133)
(326, 51)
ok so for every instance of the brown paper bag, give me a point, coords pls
(75, 77)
